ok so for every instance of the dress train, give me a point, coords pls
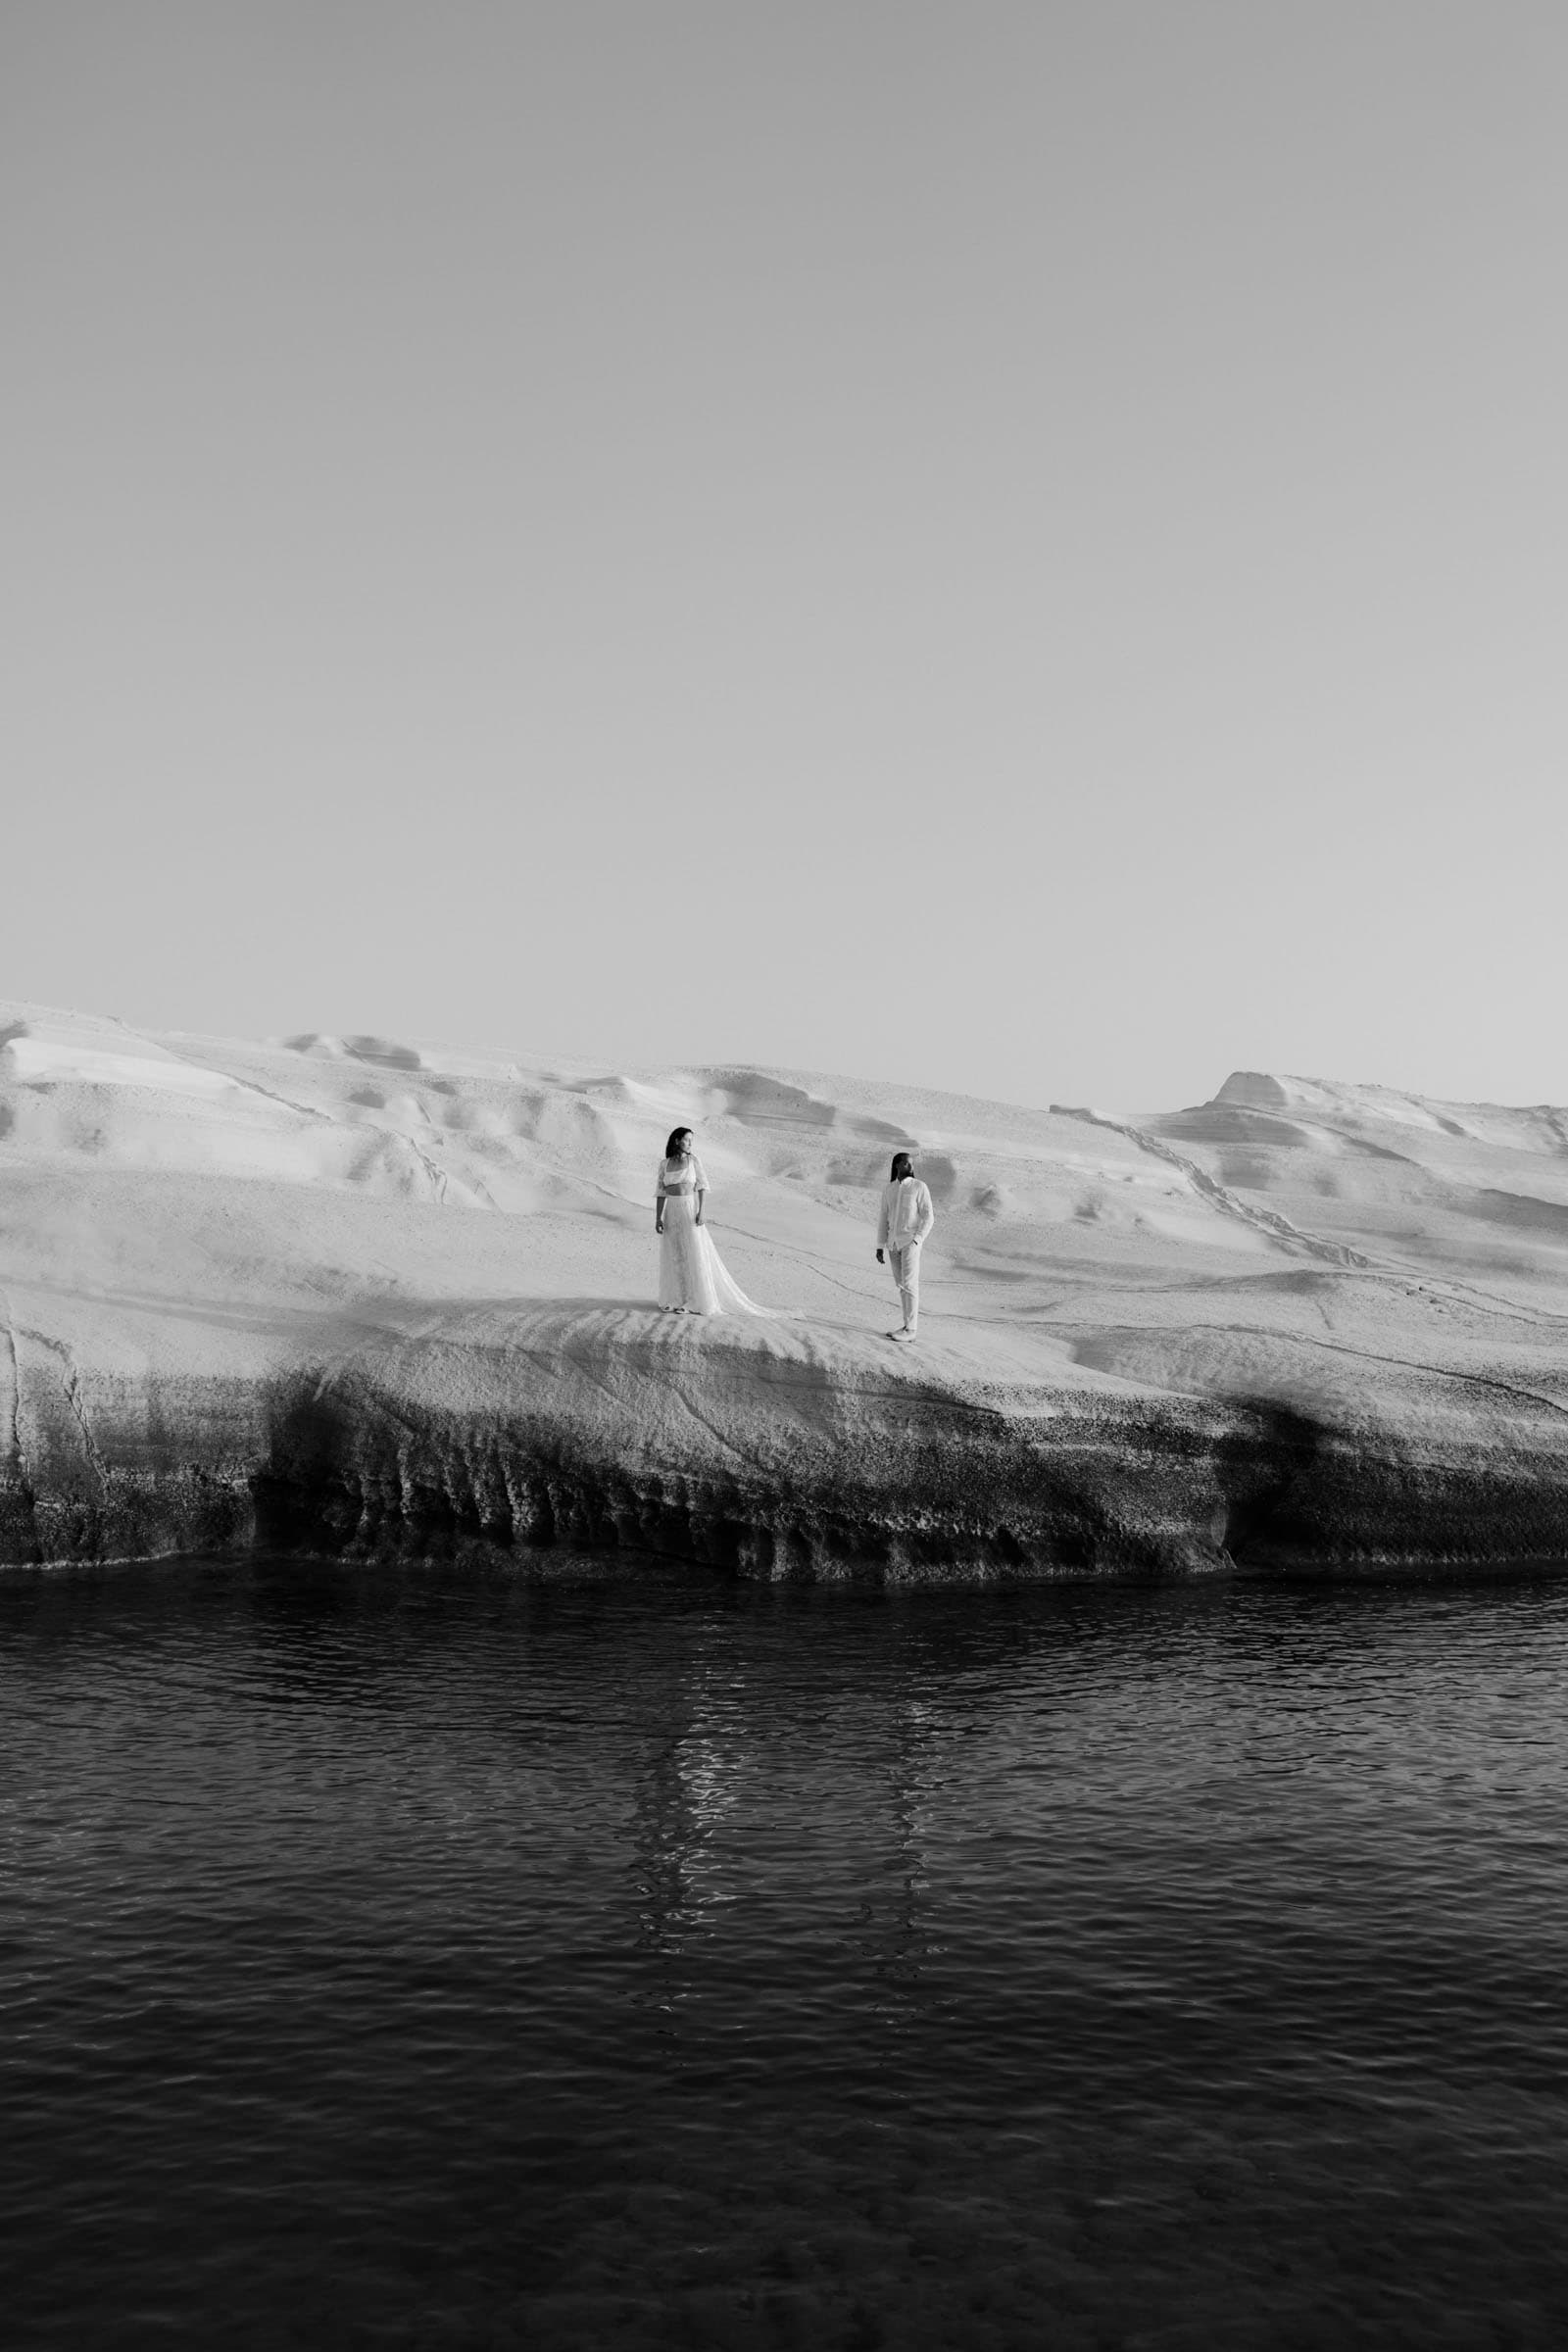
(691, 1272)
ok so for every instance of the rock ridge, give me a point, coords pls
(382, 1300)
(530, 1438)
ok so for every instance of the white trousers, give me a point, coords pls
(906, 1264)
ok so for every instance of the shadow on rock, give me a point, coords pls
(1269, 1474)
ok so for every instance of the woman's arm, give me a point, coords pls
(701, 1197)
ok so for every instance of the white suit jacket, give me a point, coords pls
(905, 1215)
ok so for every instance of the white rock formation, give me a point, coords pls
(349, 1291)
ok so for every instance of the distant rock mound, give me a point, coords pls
(1253, 1090)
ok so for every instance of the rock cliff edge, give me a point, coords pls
(356, 1295)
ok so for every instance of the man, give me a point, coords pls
(906, 1217)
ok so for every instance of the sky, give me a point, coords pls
(1013, 548)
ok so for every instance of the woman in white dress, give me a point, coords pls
(693, 1279)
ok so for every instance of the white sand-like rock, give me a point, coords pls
(362, 1292)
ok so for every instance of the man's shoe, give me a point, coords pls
(901, 1334)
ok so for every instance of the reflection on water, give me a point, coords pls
(407, 1960)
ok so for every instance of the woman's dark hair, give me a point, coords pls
(903, 1165)
(674, 1145)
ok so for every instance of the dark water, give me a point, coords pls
(403, 1960)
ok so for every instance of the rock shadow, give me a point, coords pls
(1270, 1475)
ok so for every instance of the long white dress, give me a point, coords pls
(691, 1272)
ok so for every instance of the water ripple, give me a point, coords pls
(405, 1960)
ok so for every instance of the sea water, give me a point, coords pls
(402, 1958)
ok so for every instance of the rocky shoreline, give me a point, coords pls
(366, 1298)
(562, 1435)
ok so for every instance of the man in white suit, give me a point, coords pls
(904, 1219)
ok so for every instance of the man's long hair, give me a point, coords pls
(903, 1165)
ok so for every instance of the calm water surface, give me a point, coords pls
(398, 1959)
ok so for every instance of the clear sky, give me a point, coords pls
(1022, 547)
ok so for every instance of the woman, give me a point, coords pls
(693, 1279)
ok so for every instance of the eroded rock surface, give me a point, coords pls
(371, 1297)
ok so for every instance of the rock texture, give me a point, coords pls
(365, 1296)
